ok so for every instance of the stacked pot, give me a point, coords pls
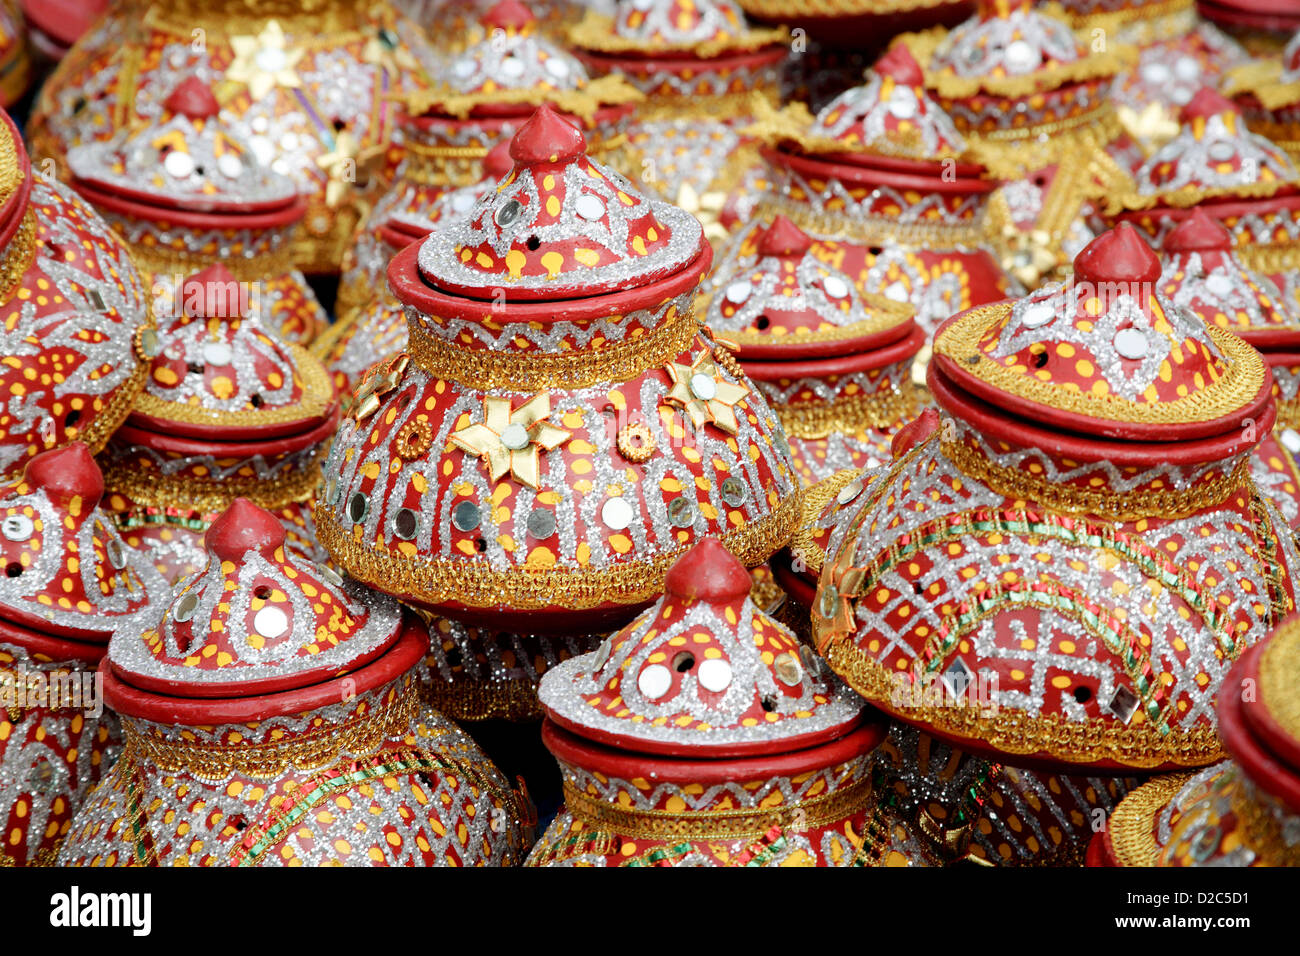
(1057, 572)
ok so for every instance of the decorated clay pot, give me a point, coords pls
(702, 69)
(1202, 275)
(1062, 571)
(270, 718)
(69, 580)
(308, 87)
(1242, 812)
(561, 428)
(705, 734)
(1033, 101)
(833, 361)
(1242, 179)
(184, 193)
(1178, 53)
(478, 100)
(228, 410)
(1268, 91)
(880, 181)
(71, 303)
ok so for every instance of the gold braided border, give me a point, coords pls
(487, 369)
(1142, 13)
(1110, 505)
(1189, 196)
(1238, 386)
(473, 582)
(1270, 259)
(815, 500)
(842, 224)
(795, 9)
(317, 399)
(18, 255)
(154, 261)
(1279, 663)
(317, 749)
(207, 495)
(1132, 823)
(1010, 731)
(1264, 835)
(472, 701)
(609, 90)
(596, 32)
(848, 415)
(729, 824)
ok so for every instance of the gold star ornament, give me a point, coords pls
(704, 395)
(263, 62)
(513, 440)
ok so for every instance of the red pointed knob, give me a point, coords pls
(214, 293)
(914, 433)
(66, 473)
(498, 163)
(193, 98)
(899, 63)
(1207, 102)
(1120, 257)
(1199, 232)
(547, 137)
(783, 238)
(244, 527)
(707, 572)
(509, 15)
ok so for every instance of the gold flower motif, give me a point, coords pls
(512, 441)
(263, 62)
(704, 395)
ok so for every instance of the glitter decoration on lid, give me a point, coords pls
(706, 28)
(560, 225)
(190, 158)
(215, 366)
(67, 572)
(703, 671)
(1105, 351)
(257, 619)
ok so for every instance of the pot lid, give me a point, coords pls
(418, 219)
(258, 619)
(702, 672)
(890, 114)
(559, 226)
(1010, 48)
(790, 300)
(1214, 155)
(187, 158)
(1272, 717)
(1202, 275)
(700, 28)
(214, 367)
(512, 68)
(66, 570)
(1106, 352)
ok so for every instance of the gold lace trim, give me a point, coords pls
(596, 32)
(611, 90)
(1278, 664)
(885, 314)
(848, 415)
(1238, 386)
(468, 700)
(1189, 196)
(815, 500)
(1264, 834)
(317, 399)
(1008, 153)
(794, 9)
(490, 369)
(1137, 746)
(360, 735)
(1132, 824)
(1093, 66)
(18, 256)
(1271, 258)
(155, 260)
(792, 124)
(715, 824)
(473, 582)
(1101, 503)
(310, 23)
(210, 496)
(875, 230)
(1150, 15)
